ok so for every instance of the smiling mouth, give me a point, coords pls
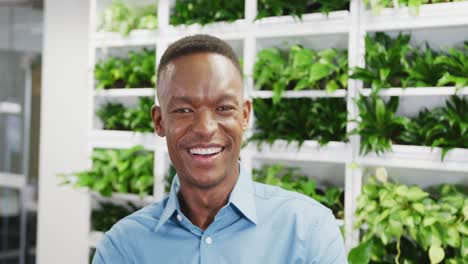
(205, 155)
(209, 152)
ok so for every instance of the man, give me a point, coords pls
(215, 213)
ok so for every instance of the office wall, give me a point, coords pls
(62, 233)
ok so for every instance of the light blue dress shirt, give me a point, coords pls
(260, 224)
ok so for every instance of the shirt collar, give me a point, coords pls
(242, 197)
(172, 203)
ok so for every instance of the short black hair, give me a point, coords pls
(197, 44)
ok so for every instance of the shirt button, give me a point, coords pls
(208, 240)
(179, 217)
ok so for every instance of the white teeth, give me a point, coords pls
(205, 151)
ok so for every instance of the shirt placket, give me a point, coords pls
(209, 241)
(207, 246)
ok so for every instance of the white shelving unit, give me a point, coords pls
(11, 180)
(124, 139)
(10, 108)
(125, 197)
(338, 162)
(94, 238)
(335, 152)
(429, 16)
(121, 93)
(420, 157)
(299, 94)
(419, 91)
(443, 26)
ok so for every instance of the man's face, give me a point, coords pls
(202, 115)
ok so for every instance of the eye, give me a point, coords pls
(225, 108)
(182, 110)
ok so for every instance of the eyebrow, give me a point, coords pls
(228, 97)
(188, 100)
(181, 99)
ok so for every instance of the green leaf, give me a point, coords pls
(436, 254)
(447, 78)
(414, 5)
(299, 120)
(451, 236)
(119, 17)
(384, 73)
(429, 221)
(465, 210)
(106, 214)
(300, 68)
(318, 71)
(396, 228)
(332, 86)
(113, 171)
(380, 111)
(402, 190)
(303, 83)
(268, 8)
(360, 254)
(419, 208)
(302, 57)
(308, 187)
(464, 247)
(416, 194)
(205, 12)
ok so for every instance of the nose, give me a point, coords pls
(204, 123)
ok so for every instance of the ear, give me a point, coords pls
(157, 120)
(247, 108)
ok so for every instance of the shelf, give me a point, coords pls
(10, 180)
(124, 139)
(311, 24)
(125, 92)
(10, 108)
(32, 251)
(424, 178)
(115, 39)
(31, 206)
(10, 254)
(223, 30)
(94, 238)
(337, 152)
(299, 94)
(124, 197)
(306, 18)
(325, 174)
(419, 157)
(419, 91)
(340, 222)
(430, 16)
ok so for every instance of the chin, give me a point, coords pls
(205, 180)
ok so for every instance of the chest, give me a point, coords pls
(259, 244)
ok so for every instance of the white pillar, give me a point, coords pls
(63, 223)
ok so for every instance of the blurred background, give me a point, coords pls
(359, 104)
(21, 27)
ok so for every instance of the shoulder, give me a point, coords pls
(310, 222)
(288, 201)
(127, 234)
(143, 220)
(289, 205)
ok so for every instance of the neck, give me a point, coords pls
(201, 205)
